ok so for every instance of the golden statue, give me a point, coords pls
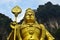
(29, 29)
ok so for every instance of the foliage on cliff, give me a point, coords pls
(4, 26)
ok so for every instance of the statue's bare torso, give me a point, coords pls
(30, 32)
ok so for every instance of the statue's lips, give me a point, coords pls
(29, 17)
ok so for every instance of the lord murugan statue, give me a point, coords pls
(30, 29)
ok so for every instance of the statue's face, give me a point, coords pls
(29, 16)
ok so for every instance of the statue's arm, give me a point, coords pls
(43, 32)
(49, 36)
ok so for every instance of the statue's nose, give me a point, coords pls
(30, 14)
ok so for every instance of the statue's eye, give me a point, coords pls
(31, 14)
(28, 14)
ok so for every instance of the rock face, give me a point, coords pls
(49, 14)
(4, 26)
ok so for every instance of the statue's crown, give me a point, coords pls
(29, 10)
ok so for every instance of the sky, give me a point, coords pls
(7, 5)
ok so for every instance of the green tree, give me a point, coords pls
(4, 26)
(57, 34)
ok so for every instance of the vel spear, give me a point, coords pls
(16, 10)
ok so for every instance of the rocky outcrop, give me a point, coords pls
(4, 26)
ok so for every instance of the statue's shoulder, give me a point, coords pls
(42, 25)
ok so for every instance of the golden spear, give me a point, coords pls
(16, 10)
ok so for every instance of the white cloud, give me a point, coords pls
(8, 1)
(55, 1)
(45, 1)
(4, 1)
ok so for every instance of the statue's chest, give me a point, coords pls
(30, 29)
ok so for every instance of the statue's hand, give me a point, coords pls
(42, 39)
(13, 24)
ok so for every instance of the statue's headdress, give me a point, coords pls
(29, 10)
